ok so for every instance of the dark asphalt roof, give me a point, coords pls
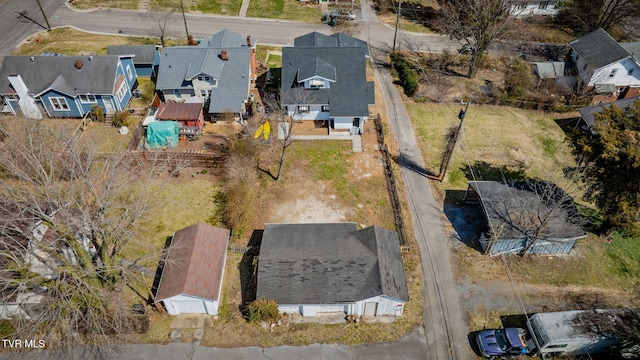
(316, 39)
(514, 209)
(588, 112)
(316, 67)
(598, 49)
(329, 263)
(96, 76)
(143, 54)
(349, 96)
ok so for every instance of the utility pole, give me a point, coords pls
(185, 20)
(451, 144)
(395, 34)
(45, 16)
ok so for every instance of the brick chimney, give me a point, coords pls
(78, 64)
(248, 40)
(224, 55)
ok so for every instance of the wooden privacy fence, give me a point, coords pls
(168, 158)
(391, 185)
(136, 138)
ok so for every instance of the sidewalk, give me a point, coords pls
(243, 8)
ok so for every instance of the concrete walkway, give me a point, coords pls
(243, 8)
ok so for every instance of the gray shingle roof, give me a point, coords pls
(316, 67)
(179, 64)
(588, 112)
(315, 39)
(598, 49)
(223, 39)
(349, 96)
(144, 54)
(349, 41)
(329, 263)
(96, 76)
(515, 208)
(633, 48)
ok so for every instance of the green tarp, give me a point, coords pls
(162, 134)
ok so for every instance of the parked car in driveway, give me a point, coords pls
(502, 343)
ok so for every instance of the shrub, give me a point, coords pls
(121, 118)
(406, 73)
(518, 80)
(263, 310)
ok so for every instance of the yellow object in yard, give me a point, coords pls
(264, 130)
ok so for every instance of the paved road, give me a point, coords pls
(409, 347)
(15, 27)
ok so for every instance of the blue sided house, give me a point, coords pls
(66, 86)
(146, 58)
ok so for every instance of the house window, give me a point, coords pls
(176, 94)
(204, 94)
(613, 73)
(87, 99)
(315, 83)
(558, 346)
(122, 91)
(59, 104)
(303, 109)
(129, 72)
(325, 108)
(204, 78)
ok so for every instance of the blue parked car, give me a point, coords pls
(502, 343)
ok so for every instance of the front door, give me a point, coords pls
(108, 105)
(370, 309)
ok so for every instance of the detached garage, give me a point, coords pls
(191, 281)
(319, 269)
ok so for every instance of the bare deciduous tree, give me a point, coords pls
(475, 24)
(587, 15)
(531, 211)
(286, 109)
(623, 324)
(162, 19)
(69, 213)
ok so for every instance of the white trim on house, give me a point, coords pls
(384, 306)
(186, 304)
(59, 103)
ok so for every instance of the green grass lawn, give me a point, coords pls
(92, 4)
(496, 141)
(285, 9)
(68, 41)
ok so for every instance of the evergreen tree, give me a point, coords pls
(610, 160)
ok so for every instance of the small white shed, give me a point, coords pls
(191, 281)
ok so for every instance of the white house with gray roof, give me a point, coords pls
(219, 70)
(324, 79)
(319, 269)
(603, 63)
